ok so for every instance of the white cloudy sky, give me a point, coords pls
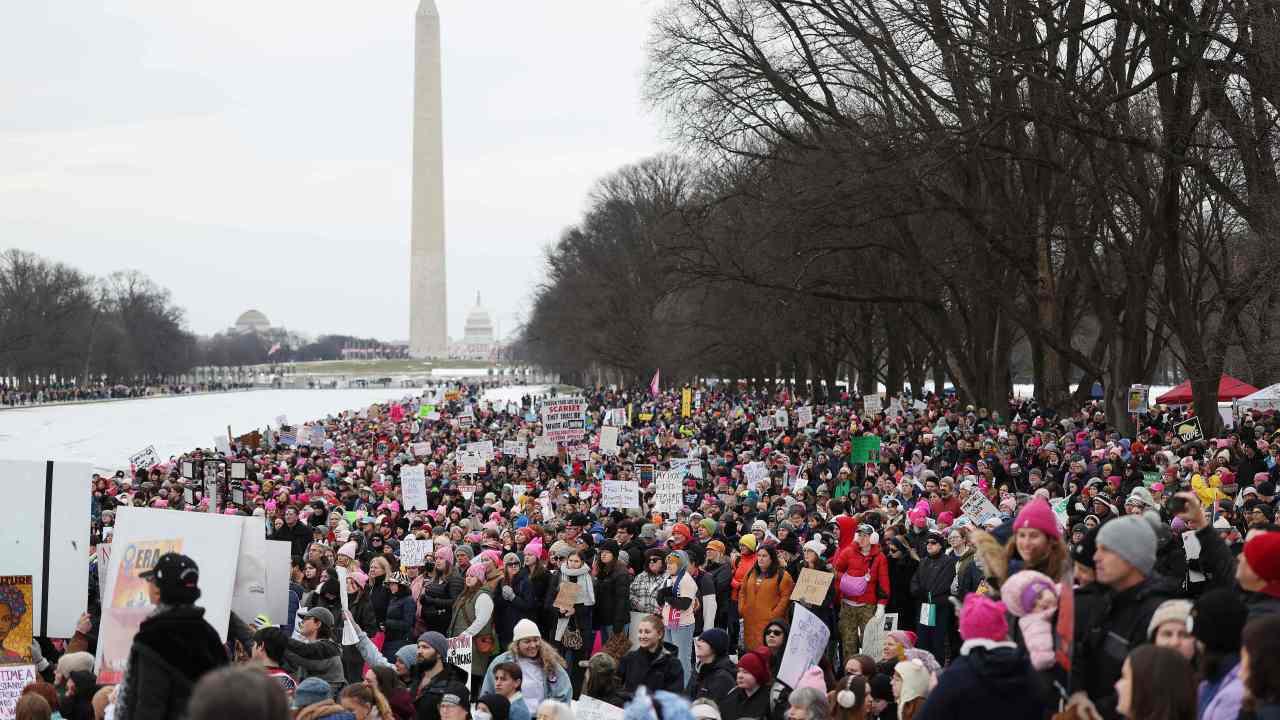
(257, 154)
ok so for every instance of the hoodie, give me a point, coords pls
(847, 526)
(869, 570)
(989, 679)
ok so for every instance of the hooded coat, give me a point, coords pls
(714, 681)
(760, 600)
(659, 670)
(989, 679)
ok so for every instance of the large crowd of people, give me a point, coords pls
(12, 396)
(1010, 562)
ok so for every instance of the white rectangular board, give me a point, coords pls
(249, 598)
(279, 556)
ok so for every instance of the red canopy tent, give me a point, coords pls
(1229, 389)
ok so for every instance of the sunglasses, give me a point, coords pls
(775, 632)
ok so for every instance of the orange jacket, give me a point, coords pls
(745, 563)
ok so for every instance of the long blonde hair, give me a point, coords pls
(546, 653)
(369, 697)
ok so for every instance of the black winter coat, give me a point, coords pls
(655, 671)
(170, 653)
(1117, 624)
(933, 578)
(399, 623)
(509, 612)
(986, 683)
(737, 706)
(714, 681)
(612, 596)
(435, 605)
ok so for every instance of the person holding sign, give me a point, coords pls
(862, 583)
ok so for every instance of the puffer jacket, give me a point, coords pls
(872, 566)
(714, 681)
(659, 670)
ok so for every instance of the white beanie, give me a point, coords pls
(526, 628)
(816, 546)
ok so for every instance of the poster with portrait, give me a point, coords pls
(16, 598)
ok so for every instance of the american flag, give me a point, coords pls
(274, 349)
(288, 437)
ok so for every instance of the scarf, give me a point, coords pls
(586, 588)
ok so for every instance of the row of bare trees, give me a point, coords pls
(916, 188)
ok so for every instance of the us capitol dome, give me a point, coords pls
(251, 321)
(478, 337)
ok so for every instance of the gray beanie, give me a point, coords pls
(436, 641)
(1132, 538)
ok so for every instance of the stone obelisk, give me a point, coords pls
(428, 309)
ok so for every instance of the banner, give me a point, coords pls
(48, 539)
(413, 486)
(864, 449)
(686, 402)
(564, 419)
(806, 643)
(668, 497)
(620, 494)
(459, 653)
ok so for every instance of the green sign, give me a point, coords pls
(1150, 478)
(425, 410)
(864, 449)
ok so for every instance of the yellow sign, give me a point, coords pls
(686, 402)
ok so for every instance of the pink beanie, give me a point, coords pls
(444, 552)
(1023, 588)
(983, 618)
(1038, 516)
(492, 556)
(535, 548)
(349, 550)
(812, 678)
(360, 578)
(478, 570)
(945, 518)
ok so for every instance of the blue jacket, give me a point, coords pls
(556, 688)
(401, 614)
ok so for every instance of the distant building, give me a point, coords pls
(251, 321)
(374, 350)
(478, 341)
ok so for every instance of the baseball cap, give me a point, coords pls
(455, 693)
(322, 614)
(175, 573)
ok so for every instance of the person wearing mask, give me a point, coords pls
(1121, 613)
(1155, 683)
(473, 616)
(931, 587)
(492, 707)
(655, 664)
(1218, 619)
(542, 672)
(174, 645)
(715, 676)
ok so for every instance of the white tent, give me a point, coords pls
(1268, 398)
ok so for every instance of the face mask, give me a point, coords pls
(481, 715)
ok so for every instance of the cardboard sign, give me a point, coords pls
(812, 586)
(46, 536)
(459, 653)
(145, 458)
(567, 595)
(623, 494)
(413, 486)
(668, 495)
(804, 416)
(979, 509)
(564, 419)
(805, 644)
(589, 708)
(414, 552)
(1189, 430)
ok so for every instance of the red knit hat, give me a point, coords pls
(756, 662)
(681, 529)
(982, 617)
(1263, 555)
(1037, 515)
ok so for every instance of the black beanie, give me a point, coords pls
(1219, 618)
(881, 687)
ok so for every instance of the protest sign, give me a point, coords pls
(895, 406)
(609, 440)
(687, 466)
(645, 473)
(589, 708)
(875, 632)
(871, 404)
(145, 458)
(667, 496)
(544, 447)
(470, 462)
(686, 402)
(12, 679)
(278, 557)
(564, 419)
(249, 594)
(616, 417)
(623, 494)
(515, 449)
(755, 473)
(421, 449)
(812, 586)
(979, 509)
(142, 535)
(805, 644)
(864, 449)
(16, 598)
(47, 537)
(467, 418)
(804, 416)
(566, 596)
(413, 486)
(468, 491)
(918, 406)
(1189, 430)
(781, 419)
(519, 490)
(1138, 399)
(459, 654)
(484, 448)
(282, 420)
(413, 552)
(764, 422)
(349, 636)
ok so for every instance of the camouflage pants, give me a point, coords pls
(853, 620)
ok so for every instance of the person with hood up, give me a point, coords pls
(174, 645)
(715, 676)
(910, 688)
(862, 584)
(992, 677)
(655, 664)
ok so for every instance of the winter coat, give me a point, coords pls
(722, 574)
(435, 605)
(170, 652)
(933, 578)
(989, 679)
(612, 594)
(1117, 624)
(379, 598)
(555, 686)
(426, 702)
(737, 706)
(659, 670)
(643, 593)
(761, 599)
(298, 537)
(1037, 638)
(901, 570)
(714, 681)
(509, 612)
(320, 658)
(873, 566)
(1226, 700)
(745, 563)
(399, 623)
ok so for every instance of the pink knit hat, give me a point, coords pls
(812, 678)
(1038, 516)
(1022, 590)
(983, 618)
(905, 638)
(535, 548)
(478, 570)
(349, 549)
(444, 552)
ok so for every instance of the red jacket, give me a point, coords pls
(851, 561)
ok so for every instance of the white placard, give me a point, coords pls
(413, 552)
(349, 636)
(979, 509)
(278, 557)
(421, 449)
(623, 494)
(12, 679)
(668, 494)
(564, 419)
(61, 525)
(805, 644)
(519, 490)
(609, 440)
(459, 654)
(515, 449)
(249, 596)
(484, 448)
(804, 416)
(755, 473)
(589, 708)
(470, 462)
(687, 466)
(544, 447)
(871, 404)
(282, 420)
(780, 418)
(874, 634)
(413, 486)
(145, 458)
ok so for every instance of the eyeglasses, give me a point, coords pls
(774, 632)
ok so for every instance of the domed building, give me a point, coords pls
(478, 337)
(251, 321)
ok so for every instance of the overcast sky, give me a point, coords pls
(257, 154)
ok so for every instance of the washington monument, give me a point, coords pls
(428, 309)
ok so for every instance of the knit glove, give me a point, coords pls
(507, 593)
(37, 657)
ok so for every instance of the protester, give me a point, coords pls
(1260, 666)
(1155, 683)
(715, 675)
(750, 698)
(1218, 619)
(239, 693)
(910, 688)
(655, 664)
(540, 670)
(763, 595)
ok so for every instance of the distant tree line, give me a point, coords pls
(61, 327)
(895, 193)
